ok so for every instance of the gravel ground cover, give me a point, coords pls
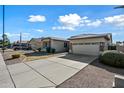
(7, 55)
(95, 75)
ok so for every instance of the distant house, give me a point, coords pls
(90, 44)
(59, 44)
(120, 46)
(36, 43)
(120, 43)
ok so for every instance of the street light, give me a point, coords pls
(3, 29)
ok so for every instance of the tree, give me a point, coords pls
(6, 40)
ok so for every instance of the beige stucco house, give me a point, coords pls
(90, 44)
(59, 44)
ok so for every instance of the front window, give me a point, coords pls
(65, 44)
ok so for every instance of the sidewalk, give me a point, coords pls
(5, 79)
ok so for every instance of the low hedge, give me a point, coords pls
(112, 58)
(15, 56)
(50, 50)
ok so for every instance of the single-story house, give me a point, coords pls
(90, 44)
(59, 44)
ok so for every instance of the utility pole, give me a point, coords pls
(3, 29)
(20, 39)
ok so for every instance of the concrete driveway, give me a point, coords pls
(48, 72)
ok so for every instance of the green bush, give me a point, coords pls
(53, 50)
(112, 58)
(15, 56)
(48, 49)
(39, 49)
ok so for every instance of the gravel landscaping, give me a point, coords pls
(8, 58)
(26, 56)
(95, 75)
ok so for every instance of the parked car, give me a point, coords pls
(21, 47)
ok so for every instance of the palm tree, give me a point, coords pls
(121, 6)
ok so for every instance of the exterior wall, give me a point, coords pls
(35, 44)
(90, 49)
(58, 45)
(86, 49)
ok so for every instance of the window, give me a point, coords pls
(65, 44)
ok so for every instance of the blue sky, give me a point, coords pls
(62, 21)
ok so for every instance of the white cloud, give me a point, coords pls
(117, 20)
(117, 33)
(94, 23)
(39, 30)
(71, 20)
(63, 28)
(17, 34)
(12, 34)
(36, 18)
(85, 17)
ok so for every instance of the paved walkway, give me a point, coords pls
(5, 79)
(46, 73)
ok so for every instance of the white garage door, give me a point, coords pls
(86, 49)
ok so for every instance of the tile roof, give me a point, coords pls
(57, 38)
(89, 36)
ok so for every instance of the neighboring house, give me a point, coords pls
(36, 43)
(120, 43)
(59, 44)
(90, 44)
(120, 46)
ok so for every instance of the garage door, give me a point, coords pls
(86, 49)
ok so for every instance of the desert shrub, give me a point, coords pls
(48, 49)
(53, 50)
(39, 49)
(112, 58)
(15, 56)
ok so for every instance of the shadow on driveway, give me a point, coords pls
(79, 58)
(36, 54)
(108, 68)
